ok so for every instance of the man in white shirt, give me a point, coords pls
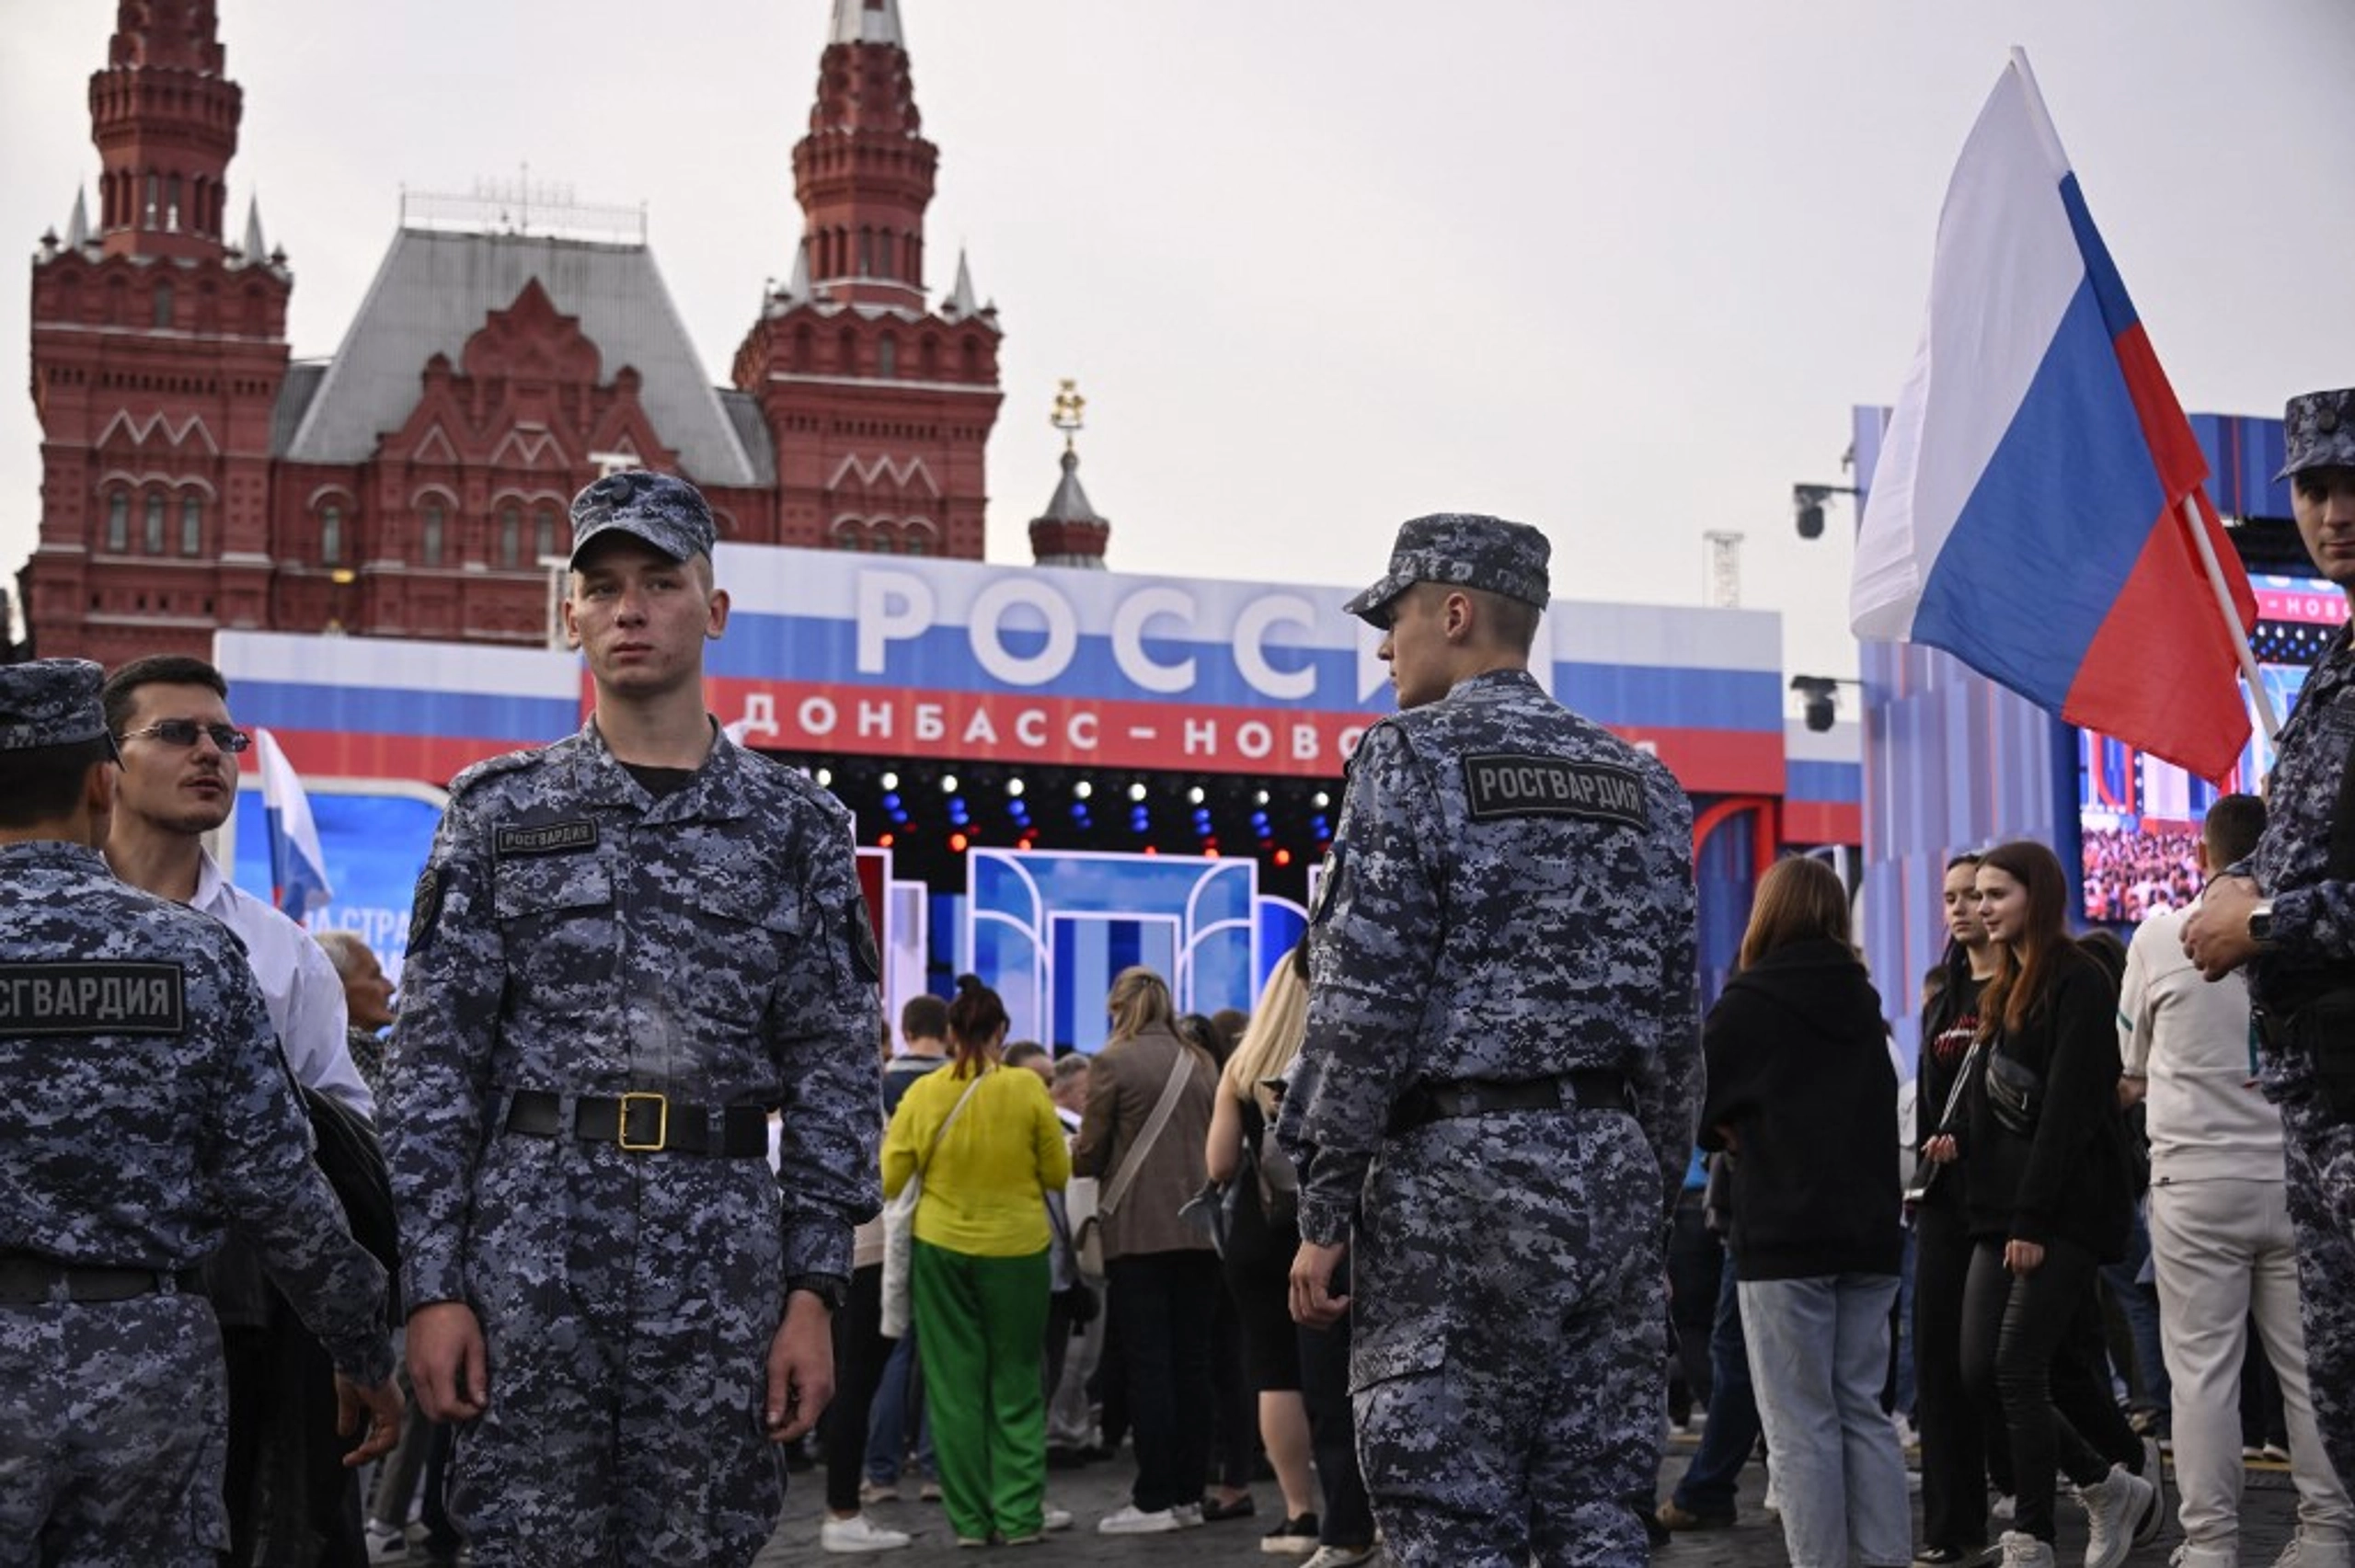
(179, 781)
(2221, 1237)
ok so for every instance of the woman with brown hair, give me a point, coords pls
(2048, 1196)
(1148, 1112)
(1803, 1092)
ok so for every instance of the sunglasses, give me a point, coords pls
(184, 732)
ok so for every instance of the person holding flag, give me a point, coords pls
(2288, 914)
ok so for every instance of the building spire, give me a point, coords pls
(1070, 532)
(255, 251)
(164, 116)
(962, 302)
(864, 173)
(867, 21)
(77, 227)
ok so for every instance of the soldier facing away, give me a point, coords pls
(1495, 1101)
(2287, 912)
(149, 1110)
(625, 949)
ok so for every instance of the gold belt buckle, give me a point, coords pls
(661, 1123)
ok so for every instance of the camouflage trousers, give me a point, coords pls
(2318, 1151)
(113, 1424)
(1508, 1291)
(628, 1304)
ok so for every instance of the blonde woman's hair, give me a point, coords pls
(1272, 1037)
(1139, 1000)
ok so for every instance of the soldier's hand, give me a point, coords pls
(380, 1404)
(1313, 1302)
(802, 1369)
(2216, 937)
(446, 1363)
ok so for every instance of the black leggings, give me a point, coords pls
(2012, 1329)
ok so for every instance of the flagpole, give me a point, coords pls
(2249, 672)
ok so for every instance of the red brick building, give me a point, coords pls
(195, 477)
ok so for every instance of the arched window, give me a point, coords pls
(543, 533)
(330, 534)
(172, 202)
(191, 525)
(866, 252)
(428, 538)
(805, 348)
(154, 189)
(887, 356)
(163, 304)
(118, 522)
(916, 543)
(510, 537)
(847, 351)
(155, 530)
(883, 245)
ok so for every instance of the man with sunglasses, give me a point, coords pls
(169, 715)
(146, 1112)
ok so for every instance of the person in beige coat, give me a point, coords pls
(1148, 1113)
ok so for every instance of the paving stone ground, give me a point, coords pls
(2268, 1520)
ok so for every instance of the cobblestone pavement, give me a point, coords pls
(2267, 1519)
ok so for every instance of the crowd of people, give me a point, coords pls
(2133, 874)
(1403, 1229)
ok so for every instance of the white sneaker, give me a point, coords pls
(1340, 1557)
(1129, 1519)
(2190, 1556)
(1056, 1519)
(2303, 1551)
(1773, 1502)
(2154, 1470)
(2114, 1507)
(2002, 1508)
(386, 1544)
(1906, 1436)
(1188, 1515)
(857, 1533)
(2026, 1551)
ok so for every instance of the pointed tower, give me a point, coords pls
(879, 406)
(158, 350)
(165, 118)
(1069, 532)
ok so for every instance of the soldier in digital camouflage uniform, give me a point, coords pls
(624, 948)
(1502, 968)
(148, 1109)
(2287, 911)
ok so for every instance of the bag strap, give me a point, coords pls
(954, 1112)
(1163, 1109)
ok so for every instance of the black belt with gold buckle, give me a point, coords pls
(642, 1123)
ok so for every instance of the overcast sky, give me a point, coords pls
(1617, 269)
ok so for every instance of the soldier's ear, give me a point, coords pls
(97, 799)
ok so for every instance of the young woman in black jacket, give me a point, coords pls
(2046, 1197)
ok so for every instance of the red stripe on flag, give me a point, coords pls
(2182, 467)
(2160, 673)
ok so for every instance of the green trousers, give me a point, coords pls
(983, 1322)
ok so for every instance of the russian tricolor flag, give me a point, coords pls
(298, 870)
(2027, 514)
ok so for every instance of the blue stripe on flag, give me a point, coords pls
(2030, 572)
(2110, 289)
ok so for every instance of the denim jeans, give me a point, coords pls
(1819, 1353)
(1731, 1430)
(898, 1397)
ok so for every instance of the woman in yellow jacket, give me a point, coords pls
(979, 1287)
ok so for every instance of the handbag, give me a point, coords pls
(2014, 1095)
(900, 1228)
(1089, 1231)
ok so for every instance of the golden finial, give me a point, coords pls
(1069, 407)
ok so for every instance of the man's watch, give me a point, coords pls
(2260, 921)
(831, 1288)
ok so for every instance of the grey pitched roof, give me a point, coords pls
(867, 21)
(294, 394)
(434, 290)
(753, 429)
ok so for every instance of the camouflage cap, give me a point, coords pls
(49, 702)
(2319, 430)
(1462, 550)
(661, 509)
